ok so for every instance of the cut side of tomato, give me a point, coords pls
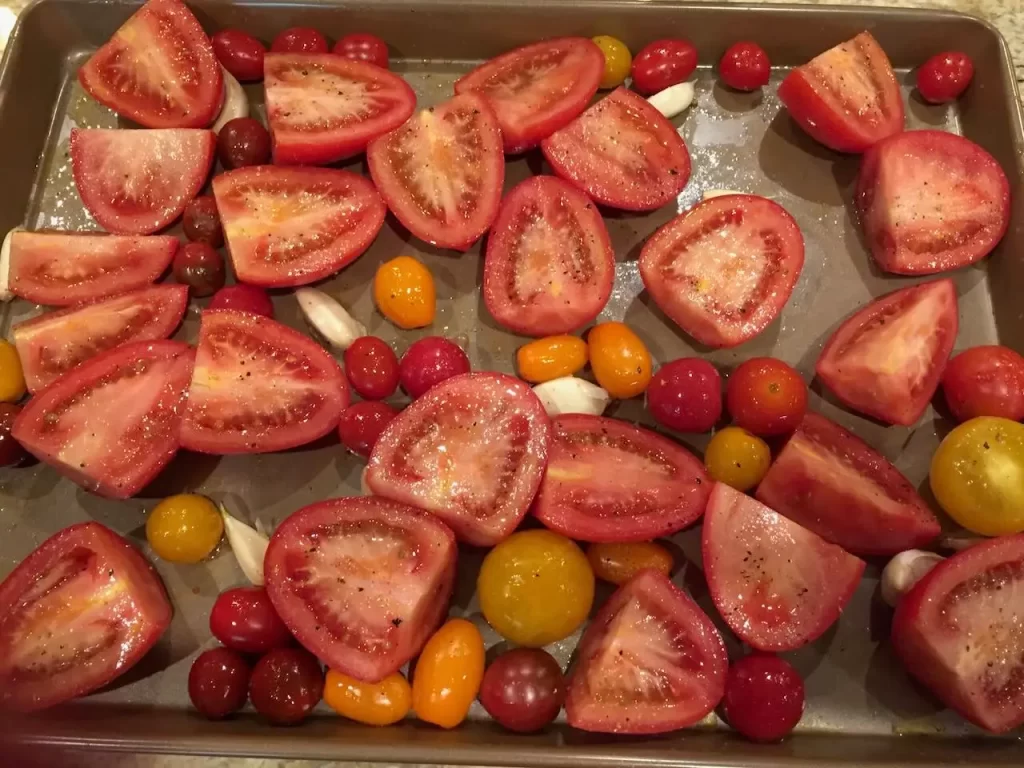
(323, 108)
(471, 450)
(112, 423)
(138, 182)
(159, 69)
(651, 661)
(259, 386)
(293, 226)
(958, 631)
(836, 485)
(361, 582)
(610, 481)
(723, 270)
(777, 585)
(537, 89)
(54, 343)
(887, 359)
(622, 152)
(549, 266)
(931, 201)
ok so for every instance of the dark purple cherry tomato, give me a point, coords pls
(372, 368)
(244, 620)
(218, 682)
(686, 395)
(200, 267)
(430, 361)
(299, 40)
(285, 685)
(945, 76)
(244, 298)
(11, 452)
(764, 697)
(242, 142)
(985, 381)
(363, 47)
(239, 53)
(361, 425)
(745, 67)
(661, 64)
(523, 689)
(201, 221)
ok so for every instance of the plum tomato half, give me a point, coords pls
(686, 395)
(243, 142)
(362, 424)
(662, 64)
(764, 697)
(199, 266)
(286, 684)
(620, 359)
(244, 298)
(945, 76)
(766, 396)
(299, 40)
(361, 46)
(523, 689)
(245, 620)
(201, 223)
(985, 381)
(448, 674)
(218, 682)
(429, 361)
(239, 53)
(11, 452)
(372, 368)
(745, 67)
(618, 563)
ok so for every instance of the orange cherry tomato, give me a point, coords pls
(619, 359)
(618, 563)
(551, 358)
(448, 674)
(404, 292)
(380, 703)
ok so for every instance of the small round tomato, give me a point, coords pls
(218, 683)
(239, 53)
(403, 289)
(362, 424)
(245, 620)
(448, 674)
(372, 368)
(985, 381)
(243, 142)
(12, 378)
(285, 685)
(764, 697)
(663, 63)
(430, 361)
(523, 689)
(363, 47)
(617, 60)
(945, 76)
(184, 528)
(619, 359)
(380, 703)
(766, 396)
(745, 67)
(737, 458)
(617, 563)
(551, 358)
(201, 223)
(200, 267)
(535, 587)
(11, 451)
(244, 298)
(686, 395)
(299, 40)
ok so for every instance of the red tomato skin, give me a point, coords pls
(244, 298)
(245, 620)
(523, 689)
(362, 424)
(285, 685)
(361, 46)
(372, 368)
(686, 395)
(661, 64)
(945, 77)
(218, 683)
(985, 381)
(785, 409)
(745, 67)
(428, 362)
(764, 697)
(299, 40)
(239, 53)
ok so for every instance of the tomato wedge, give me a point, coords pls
(259, 386)
(159, 69)
(958, 631)
(723, 270)
(137, 182)
(537, 89)
(60, 269)
(80, 610)
(651, 661)
(887, 359)
(54, 343)
(931, 201)
(322, 108)
(361, 582)
(847, 98)
(549, 266)
(293, 226)
(610, 481)
(441, 173)
(836, 485)
(112, 423)
(471, 450)
(622, 152)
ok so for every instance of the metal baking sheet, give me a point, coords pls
(862, 708)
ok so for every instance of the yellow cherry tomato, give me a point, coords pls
(617, 60)
(535, 587)
(551, 358)
(737, 458)
(448, 674)
(619, 359)
(184, 528)
(618, 563)
(404, 291)
(12, 379)
(977, 475)
(380, 703)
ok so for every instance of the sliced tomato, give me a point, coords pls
(471, 450)
(441, 173)
(958, 631)
(931, 201)
(651, 661)
(322, 108)
(847, 98)
(293, 226)
(112, 423)
(159, 69)
(723, 270)
(537, 89)
(80, 610)
(622, 152)
(60, 269)
(549, 266)
(361, 582)
(836, 485)
(137, 182)
(610, 481)
(886, 359)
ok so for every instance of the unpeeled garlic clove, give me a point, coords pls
(904, 571)
(572, 395)
(329, 318)
(236, 103)
(673, 100)
(5, 265)
(248, 545)
(710, 193)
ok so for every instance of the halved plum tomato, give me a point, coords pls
(159, 69)
(361, 582)
(723, 270)
(847, 98)
(293, 226)
(80, 610)
(958, 632)
(836, 485)
(112, 423)
(537, 89)
(886, 359)
(259, 386)
(322, 108)
(777, 585)
(931, 201)
(549, 266)
(137, 182)
(54, 343)
(441, 173)
(651, 661)
(610, 481)
(471, 451)
(61, 269)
